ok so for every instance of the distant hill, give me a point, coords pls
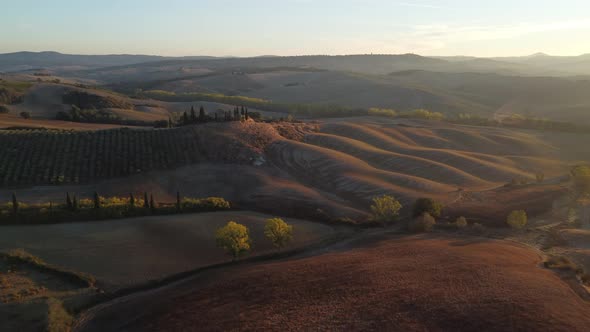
(20, 61)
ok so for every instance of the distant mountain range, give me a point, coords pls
(539, 64)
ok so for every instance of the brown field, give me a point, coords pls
(338, 165)
(127, 252)
(411, 283)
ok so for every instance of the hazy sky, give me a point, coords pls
(294, 27)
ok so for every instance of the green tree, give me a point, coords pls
(185, 118)
(385, 209)
(75, 204)
(131, 200)
(278, 232)
(429, 205)
(96, 200)
(69, 204)
(517, 219)
(202, 116)
(178, 201)
(581, 178)
(193, 115)
(422, 223)
(152, 204)
(146, 202)
(461, 222)
(234, 238)
(14, 204)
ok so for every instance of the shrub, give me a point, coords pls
(461, 222)
(278, 232)
(517, 219)
(25, 115)
(428, 205)
(4, 109)
(385, 209)
(540, 177)
(234, 238)
(560, 263)
(422, 223)
(205, 204)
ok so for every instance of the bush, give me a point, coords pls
(205, 204)
(461, 222)
(278, 232)
(428, 205)
(25, 115)
(4, 109)
(422, 223)
(234, 238)
(385, 209)
(517, 219)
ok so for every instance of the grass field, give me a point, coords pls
(133, 251)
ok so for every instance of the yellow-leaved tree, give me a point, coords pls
(278, 232)
(385, 209)
(234, 238)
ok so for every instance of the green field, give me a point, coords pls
(133, 251)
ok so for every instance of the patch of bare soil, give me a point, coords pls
(414, 283)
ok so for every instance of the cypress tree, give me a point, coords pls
(242, 111)
(146, 202)
(193, 115)
(14, 204)
(185, 118)
(74, 204)
(247, 117)
(131, 200)
(96, 200)
(178, 201)
(69, 205)
(202, 116)
(152, 204)
(170, 125)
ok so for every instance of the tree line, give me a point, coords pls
(98, 207)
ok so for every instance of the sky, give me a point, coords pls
(296, 27)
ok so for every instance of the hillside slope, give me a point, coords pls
(411, 283)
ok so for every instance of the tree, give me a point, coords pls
(517, 219)
(193, 115)
(14, 204)
(75, 204)
(185, 118)
(170, 124)
(247, 116)
(422, 223)
(234, 238)
(69, 204)
(385, 209)
(25, 115)
(429, 205)
(202, 116)
(146, 202)
(96, 200)
(581, 178)
(152, 204)
(131, 200)
(461, 222)
(178, 201)
(278, 232)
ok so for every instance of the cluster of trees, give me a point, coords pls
(57, 156)
(386, 210)
(93, 115)
(239, 113)
(235, 239)
(99, 207)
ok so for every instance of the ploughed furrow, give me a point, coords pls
(501, 171)
(346, 175)
(391, 161)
